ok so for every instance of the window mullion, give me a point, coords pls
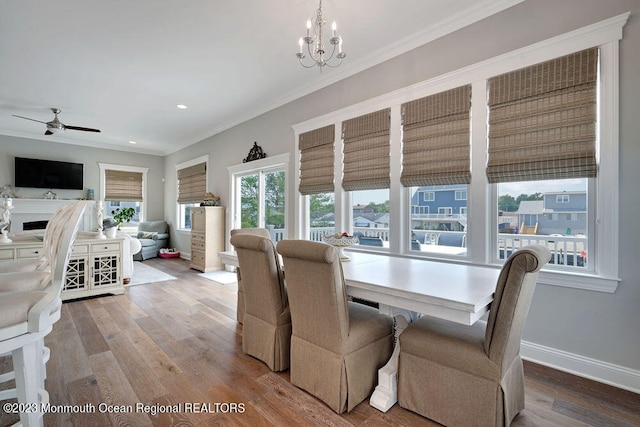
(398, 218)
(479, 201)
(342, 200)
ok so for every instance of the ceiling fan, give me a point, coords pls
(56, 126)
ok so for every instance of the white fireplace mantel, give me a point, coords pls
(26, 210)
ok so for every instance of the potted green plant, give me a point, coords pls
(122, 215)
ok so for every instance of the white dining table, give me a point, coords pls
(457, 292)
(460, 293)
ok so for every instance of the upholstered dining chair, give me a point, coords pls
(337, 346)
(266, 331)
(461, 375)
(262, 232)
(28, 315)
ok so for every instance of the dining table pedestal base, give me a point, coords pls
(385, 394)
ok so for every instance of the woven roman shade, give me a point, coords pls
(316, 160)
(436, 139)
(542, 120)
(123, 186)
(366, 151)
(192, 183)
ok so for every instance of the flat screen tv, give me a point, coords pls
(35, 173)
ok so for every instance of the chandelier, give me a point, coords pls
(315, 44)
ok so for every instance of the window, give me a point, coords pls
(123, 187)
(533, 145)
(436, 155)
(191, 186)
(258, 192)
(504, 209)
(427, 196)
(566, 232)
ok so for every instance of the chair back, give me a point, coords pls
(264, 293)
(511, 302)
(67, 233)
(317, 294)
(262, 232)
(63, 232)
(51, 233)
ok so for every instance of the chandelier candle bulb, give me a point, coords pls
(333, 28)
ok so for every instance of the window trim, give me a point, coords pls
(481, 196)
(107, 166)
(202, 159)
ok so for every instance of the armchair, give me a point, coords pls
(153, 236)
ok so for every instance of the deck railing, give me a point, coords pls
(566, 250)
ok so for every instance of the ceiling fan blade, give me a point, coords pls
(81, 128)
(48, 132)
(27, 118)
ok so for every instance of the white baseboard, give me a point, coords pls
(607, 373)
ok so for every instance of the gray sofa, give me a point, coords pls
(153, 235)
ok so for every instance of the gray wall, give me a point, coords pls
(11, 147)
(591, 324)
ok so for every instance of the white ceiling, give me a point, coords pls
(122, 66)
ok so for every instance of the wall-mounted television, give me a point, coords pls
(36, 173)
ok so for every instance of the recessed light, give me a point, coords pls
(181, 106)
(132, 142)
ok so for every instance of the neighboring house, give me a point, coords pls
(529, 212)
(361, 209)
(439, 207)
(371, 220)
(327, 220)
(557, 213)
(564, 213)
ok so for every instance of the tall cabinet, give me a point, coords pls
(207, 237)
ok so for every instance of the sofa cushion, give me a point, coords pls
(157, 226)
(147, 235)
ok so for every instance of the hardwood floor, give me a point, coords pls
(176, 343)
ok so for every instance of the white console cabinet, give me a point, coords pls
(95, 266)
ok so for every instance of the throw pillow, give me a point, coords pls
(147, 234)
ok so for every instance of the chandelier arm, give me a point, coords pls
(335, 65)
(307, 66)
